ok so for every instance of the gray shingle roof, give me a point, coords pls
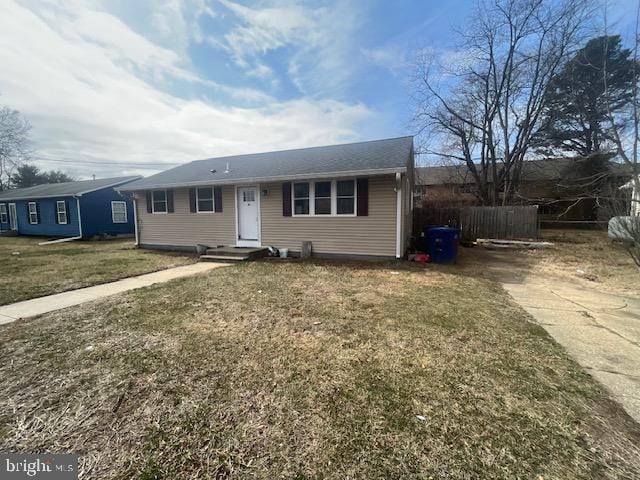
(63, 189)
(374, 157)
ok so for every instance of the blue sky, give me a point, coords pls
(118, 87)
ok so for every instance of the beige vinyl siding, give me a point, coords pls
(374, 234)
(183, 228)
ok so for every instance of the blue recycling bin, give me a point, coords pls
(443, 244)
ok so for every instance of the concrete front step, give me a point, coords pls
(231, 254)
(223, 258)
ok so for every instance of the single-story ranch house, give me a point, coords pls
(348, 200)
(71, 209)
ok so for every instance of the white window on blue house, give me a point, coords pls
(119, 212)
(4, 218)
(33, 213)
(61, 211)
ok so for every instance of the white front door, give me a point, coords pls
(13, 217)
(248, 217)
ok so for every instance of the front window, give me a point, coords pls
(205, 199)
(322, 198)
(33, 213)
(159, 201)
(346, 197)
(119, 212)
(326, 197)
(3, 213)
(301, 198)
(61, 210)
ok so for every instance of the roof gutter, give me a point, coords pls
(74, 195)
(278, 178)
(13, 199)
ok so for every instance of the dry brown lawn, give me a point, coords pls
(584, 257)
(605, 264)
(30, 270)
(309, 370)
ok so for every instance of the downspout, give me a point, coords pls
(79, 216)
(68, 239)
(135, 220)
(398, 214)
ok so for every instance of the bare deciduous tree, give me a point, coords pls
(625, 128)
(14, 143)
(484, 108)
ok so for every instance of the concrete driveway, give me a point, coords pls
(600, 330)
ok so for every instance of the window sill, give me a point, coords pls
(333, 215)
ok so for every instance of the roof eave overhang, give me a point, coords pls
(78, 194)
(37, 197)
(279, 178)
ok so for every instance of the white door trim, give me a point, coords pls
(248, 243)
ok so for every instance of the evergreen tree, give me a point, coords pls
(28, 175)
(600, 76)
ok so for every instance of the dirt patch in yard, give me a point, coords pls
(584, 257)
(309, 370)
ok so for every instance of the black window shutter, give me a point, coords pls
(55, 212)
(149, 202)
(66, 209)
(38, 212)
(192, 200)
(217, 198)
(286, 199)
(28, 216)
(363, 197)
(170, 201)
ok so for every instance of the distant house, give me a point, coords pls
(549, 183)
(71, 209)
(348, 200)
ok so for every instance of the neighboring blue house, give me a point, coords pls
(72, 209)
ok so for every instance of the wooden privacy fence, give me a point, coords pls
(508, 223)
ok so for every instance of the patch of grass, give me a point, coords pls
(604, 263)
(309, 370)
(34, 271)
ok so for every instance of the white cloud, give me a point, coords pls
(322, 57)
(94, 89)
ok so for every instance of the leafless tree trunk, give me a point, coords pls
(14, 143)
(626, 136)
(483, 109)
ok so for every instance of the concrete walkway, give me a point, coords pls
(50, 303)
(601, 331)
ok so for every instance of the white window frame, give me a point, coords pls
(33, 213)
(153, 202)
(309, 198)
(63, 211)
(113, 217)
(355, 198)
(213, 201)
(4, 215)
(334, 199)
